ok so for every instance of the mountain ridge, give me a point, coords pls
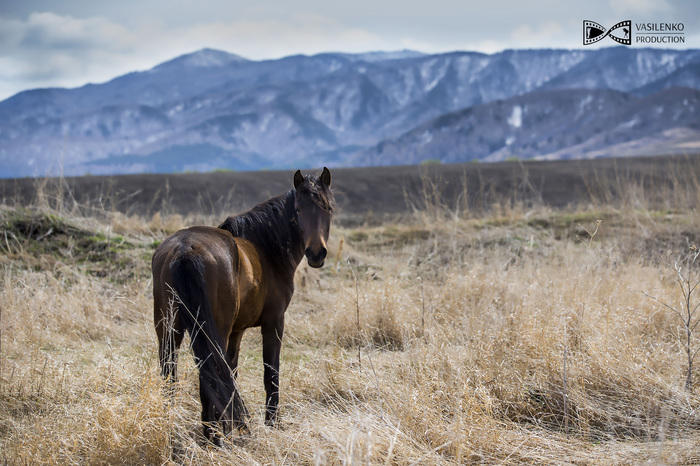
(338, 109)
(546, 125)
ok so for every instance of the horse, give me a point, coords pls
(215, 283)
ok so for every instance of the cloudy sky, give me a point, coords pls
(68, 43)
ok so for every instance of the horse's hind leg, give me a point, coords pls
(234, 348)
(170, 337)
(209, 418)
(239, 410)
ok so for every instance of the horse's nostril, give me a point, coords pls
(316, 256)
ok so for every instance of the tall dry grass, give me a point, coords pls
(457, 336)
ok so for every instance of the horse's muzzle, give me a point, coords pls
(316, 259)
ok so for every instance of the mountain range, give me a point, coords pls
(215, 110)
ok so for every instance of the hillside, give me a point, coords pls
(211, 109)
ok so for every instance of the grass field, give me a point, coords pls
(508, 330)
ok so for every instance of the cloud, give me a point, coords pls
(51, 31)
(60, 49)
(74, 42)
(543, 35)
(639, 6)
(48, 49)
(300, 33)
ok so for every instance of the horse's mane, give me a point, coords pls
(272, 224)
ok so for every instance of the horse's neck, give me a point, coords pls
(296, 241)
(291, 244)
(275, 232)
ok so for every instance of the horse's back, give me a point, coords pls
(213, 248)
(209, 252)
(231, 271)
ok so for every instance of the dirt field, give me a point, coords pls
(480, 314)
(365, 194)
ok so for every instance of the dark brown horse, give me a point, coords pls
(217, 282)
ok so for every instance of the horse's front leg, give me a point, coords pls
(272, 343)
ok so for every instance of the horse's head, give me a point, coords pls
(314, 204)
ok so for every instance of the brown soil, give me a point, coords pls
(364, 194)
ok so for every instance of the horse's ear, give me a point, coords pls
(326, 177)
(298, 179)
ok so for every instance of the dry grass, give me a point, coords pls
(488, 337)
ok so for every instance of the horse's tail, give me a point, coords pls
(215, 375)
